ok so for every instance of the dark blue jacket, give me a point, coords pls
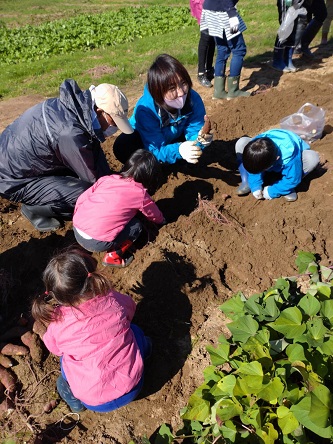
(55, 137)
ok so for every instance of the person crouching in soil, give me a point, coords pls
(105, 216)
(89, 326)
(279, 151)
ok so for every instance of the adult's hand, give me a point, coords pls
(234, 24)
(189, 151)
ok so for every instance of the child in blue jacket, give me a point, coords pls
(278, 151)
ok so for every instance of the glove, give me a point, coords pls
(258, 194)
(265, 194)
(297, 3)
(189, 151)
(205, 139)
(234, 24)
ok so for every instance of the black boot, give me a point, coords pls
(41, 217)
(203, 80)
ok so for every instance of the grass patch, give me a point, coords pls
(124, 62)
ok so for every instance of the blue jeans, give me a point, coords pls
(225, 47)
(76, 406)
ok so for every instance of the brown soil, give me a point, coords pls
(213, 247)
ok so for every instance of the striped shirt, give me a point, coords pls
(216, 22)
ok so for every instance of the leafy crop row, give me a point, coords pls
(86, 32)
(271, 381)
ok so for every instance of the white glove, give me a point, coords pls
(258, 194)
(266, 195)
(189, 151)
(205, 139)
(234, 24)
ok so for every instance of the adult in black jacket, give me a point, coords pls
(52, 152)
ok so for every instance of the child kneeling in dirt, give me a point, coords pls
(105, 215)
(279, 151)
(89, 326)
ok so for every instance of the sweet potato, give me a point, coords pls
(207, 127)
(39, 328)
(14, 350)
(32, 341)
(5, 361)
(8, 379)
(6, 406)
(49, 406)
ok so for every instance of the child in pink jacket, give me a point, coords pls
(89, 327)
(105, 214)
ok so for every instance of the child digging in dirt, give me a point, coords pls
(278, 151)
(105, 215)
(89, 327)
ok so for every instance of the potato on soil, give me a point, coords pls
(33, 342)
(5, 361)
(5, 406)
(8, 379)
(14, 350)
(39, 328)
(49, 406)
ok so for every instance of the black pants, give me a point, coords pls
(60, 192)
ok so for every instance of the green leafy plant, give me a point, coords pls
(271, 380)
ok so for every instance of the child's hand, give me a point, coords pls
(258, 194)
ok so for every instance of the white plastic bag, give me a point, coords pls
(308, 122)
(287, 23)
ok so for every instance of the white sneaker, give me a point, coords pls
(291, 197)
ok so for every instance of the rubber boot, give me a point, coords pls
(233, 88)
(117, 258)
(244, 186)
(279, 59)
(219, 88)
(41, 217)
(309, 34)
(288, 58)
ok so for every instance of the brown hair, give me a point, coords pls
(69, 277)
(165, 73)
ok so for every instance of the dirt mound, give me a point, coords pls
(215, 245)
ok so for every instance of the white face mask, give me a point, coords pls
(110, 130)
(176, 103)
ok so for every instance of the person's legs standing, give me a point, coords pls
(223, 53)
(203, 49)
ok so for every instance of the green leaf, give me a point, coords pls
(252, 306)
(313, 411)
(316, 332)
(164, 435)
(251, 377)
(197, 409)
(309, 304)
(327, 346)
(268, 433)
(286, 420)
(220, 354)
(234, 307)
(272, 391)
(295, 352)
(243, 328)
(225, 387)
(289, 323)
(327, 310)
(270, 310)
(226, 409)
(303, 260)
(229, 431)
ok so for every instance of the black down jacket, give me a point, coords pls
(55, 137)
